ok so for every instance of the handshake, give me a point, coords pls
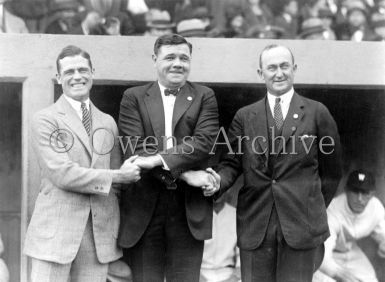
(130, 170)
(209, 181)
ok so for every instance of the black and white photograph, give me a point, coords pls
(192, 140)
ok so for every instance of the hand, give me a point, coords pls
(211, 190)
(197, 178)
(344, 275)
(148, 162)
(128, 172)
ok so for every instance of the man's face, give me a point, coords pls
(173, 65)
(358, 201)
(75, 77)
(277, 70)
(357, 18)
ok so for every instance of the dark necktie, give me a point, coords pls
(168, 92)
(278, 117)
(86, 118)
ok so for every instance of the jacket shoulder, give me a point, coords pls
(199, 88)
(138, 90)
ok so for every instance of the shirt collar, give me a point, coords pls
(162, 88)
(76, 104)
(285, 98)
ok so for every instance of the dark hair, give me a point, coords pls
(170, 39)
(272, 46)
(71, 51)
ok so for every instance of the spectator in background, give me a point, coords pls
(288, 19)
(158, 23)
(191, 28)
(90, 21)
(378, 24)
(314, 29)
(221, 260)
(353, 215)
(265, 32)
(9, 23)
(328, 20)
(356, 26)
(62, 17)
(4, 273)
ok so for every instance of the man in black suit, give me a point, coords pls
(171, 124)
(288, 149)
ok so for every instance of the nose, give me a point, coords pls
(279, 72)
(177, 63)
(360, 197)
(76, 74)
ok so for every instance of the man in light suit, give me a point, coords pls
(172, 124)
(288, 148)
(73, 231)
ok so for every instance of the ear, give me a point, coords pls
(295, 67)
(260, 74)
(154, 58)
(58, 78)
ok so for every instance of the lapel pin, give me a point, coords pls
(189, 98)
(295, 116)
(293, 128)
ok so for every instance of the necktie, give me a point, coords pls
(168, 92)
(278, 117)
(86, 118)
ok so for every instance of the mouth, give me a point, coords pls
(78, 85)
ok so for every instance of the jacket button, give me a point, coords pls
(163, 177)
(274, 181)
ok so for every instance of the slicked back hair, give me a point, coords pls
(170, 39)
(71, 51)
(272, 46)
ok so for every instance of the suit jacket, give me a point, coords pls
(302, 181)
(75, 184)
(142, 115)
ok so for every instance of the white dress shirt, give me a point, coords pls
(285, 102)
(78, 105)
(168, 107)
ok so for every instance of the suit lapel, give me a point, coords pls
(183, 101)
(154, 104)
(260, 125)
(292, 120)
(72, 120)
(99, 131)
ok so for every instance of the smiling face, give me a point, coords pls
(75, 77)
(277, 70)
(172, 64)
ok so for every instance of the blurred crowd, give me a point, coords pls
(356, 20)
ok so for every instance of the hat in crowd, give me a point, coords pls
(265, 32)
(159, 19)
(378, 20)
(191, 28)
(311, 26)
(360, 181)
(119, 271)
(356, 5)
(201, 12)
(57, 6)
(325, 13)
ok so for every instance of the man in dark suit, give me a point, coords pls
(288, 148)
(171, 124)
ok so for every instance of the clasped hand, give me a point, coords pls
(209, 181)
